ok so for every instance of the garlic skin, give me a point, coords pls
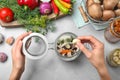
(1, 38)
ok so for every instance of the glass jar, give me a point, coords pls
(112, 33)
(35, 46)
(113, 58)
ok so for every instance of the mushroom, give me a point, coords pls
(110, 4)
(117, 12)
(95, 11)
(107, 14)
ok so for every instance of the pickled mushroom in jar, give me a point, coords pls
(66, 46)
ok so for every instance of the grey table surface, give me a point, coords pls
(51, 67)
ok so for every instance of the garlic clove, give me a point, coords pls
(10, 40)
(75, 41)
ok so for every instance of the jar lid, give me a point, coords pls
(35, 46)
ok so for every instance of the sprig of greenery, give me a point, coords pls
(32, 20)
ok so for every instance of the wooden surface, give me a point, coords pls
(14, 24)
(11, 24)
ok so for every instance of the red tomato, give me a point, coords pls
(6, 15)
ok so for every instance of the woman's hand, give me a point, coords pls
(18, 58)
(95, 55)
(17, 55)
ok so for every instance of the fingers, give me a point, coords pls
(92, 39)
(19, 47)
(83, 49)
(21, 37)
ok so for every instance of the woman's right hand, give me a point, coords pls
(95, 55)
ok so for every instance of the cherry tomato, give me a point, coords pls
(6, 15)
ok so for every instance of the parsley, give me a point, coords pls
(32, 20)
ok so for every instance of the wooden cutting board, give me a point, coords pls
(11, 24)
(15, 23)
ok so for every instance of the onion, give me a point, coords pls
(3, 57)
(45, 8)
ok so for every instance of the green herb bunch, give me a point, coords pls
(31, 19)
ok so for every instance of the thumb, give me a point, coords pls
(84, 49)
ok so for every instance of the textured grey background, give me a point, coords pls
(51, 67)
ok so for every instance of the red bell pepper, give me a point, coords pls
(32, 4)
(68, 1)
(55, 8)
